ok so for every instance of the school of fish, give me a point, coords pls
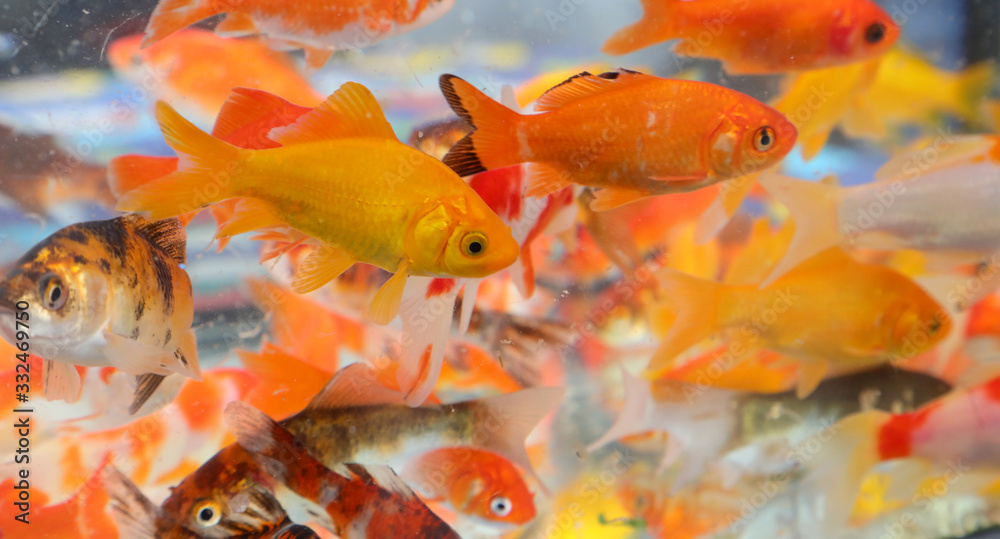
(590, 302)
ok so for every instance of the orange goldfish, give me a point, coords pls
(687, 135)
(824, 311)
(388, 205)
(320, 27)
(476, 483)
(198, 69)
(763, 36)
(363, 502)
(105, 293)
(245, 120)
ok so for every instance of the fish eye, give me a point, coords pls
(207, 514)
(53, 292)
(934, 326)
(763, 139)
(875, 32)
(136, 60)
(473, 244)
(501, 506)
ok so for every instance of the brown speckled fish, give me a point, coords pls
(227, 507)
(357, 419)
(363, 502)
(105, 293)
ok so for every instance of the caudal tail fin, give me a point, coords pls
(635, 413)
(517, 414)
(654, 27)
(813, 208)
(493, 143)
(203, 178)
(834, 476)
(973, 85)
(695, 317)
(173, 15)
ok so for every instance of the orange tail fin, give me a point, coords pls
(696, 304)
(493, 143)
(173, 15)
(654, 27)
(129, 172)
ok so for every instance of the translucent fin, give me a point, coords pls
(385, 304)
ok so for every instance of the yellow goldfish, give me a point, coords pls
(909, 90)
(829, 309)
(342, 177)
(816, 101)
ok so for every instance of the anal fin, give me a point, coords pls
(249, 215)
(543, 179)
(325, 264)
(810, 375)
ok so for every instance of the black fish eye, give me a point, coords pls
(53, 292)
(206, 514)
(875, 32)
(473, 244)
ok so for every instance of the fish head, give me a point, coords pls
(64, 291)
(862, 30)
(228, 496)
(749, 137)
(460, 236)
(916, 324)
(498, 492)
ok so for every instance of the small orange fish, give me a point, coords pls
(476, 483)
(763, 36)
(318, 26)
(79, 517)
(196, 70)
(687, 135)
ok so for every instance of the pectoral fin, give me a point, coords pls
(810, 375)
(145, 386)
(61, 381)
(385, 304)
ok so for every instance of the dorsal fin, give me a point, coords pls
(585, 85)
(167, 234)
(355, 385)
(350, 112)
(247, 106)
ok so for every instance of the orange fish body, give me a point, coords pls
(755, 36)
(199, 68)
(685, 135)
(475, 483)
(318, 26)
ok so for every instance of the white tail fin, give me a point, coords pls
(517, 414)
(635, 414)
